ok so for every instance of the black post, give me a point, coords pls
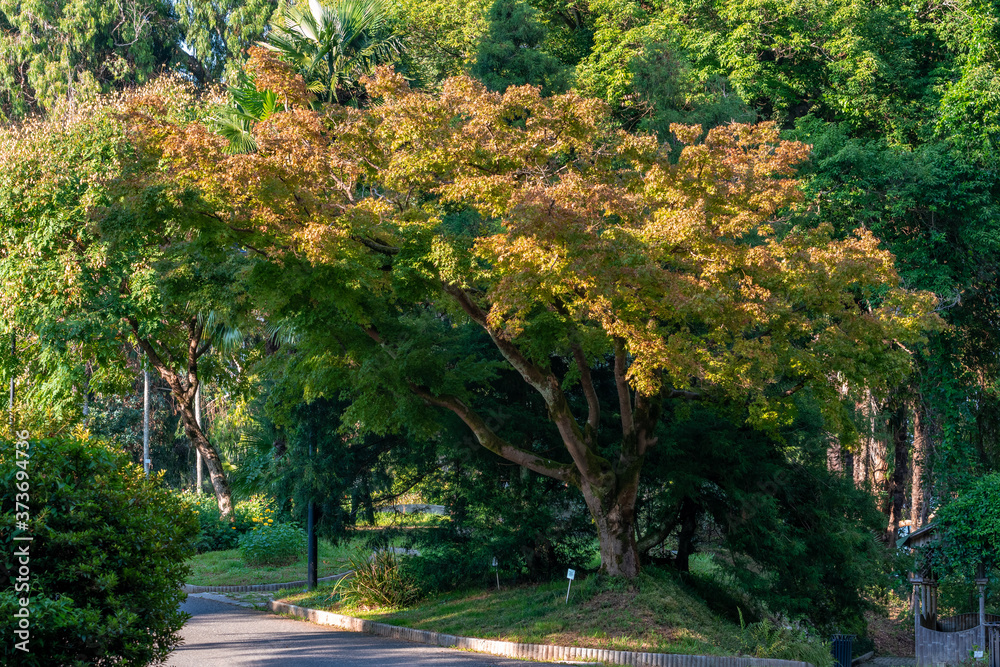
(311, 523)
(311, 547)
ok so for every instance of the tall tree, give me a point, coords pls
(216, 35)
(98, 254)
(509, 53)
(569, 238)
(57, 51)
(333, 46)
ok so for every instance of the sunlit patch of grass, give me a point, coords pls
(226, 568)
(657, 614)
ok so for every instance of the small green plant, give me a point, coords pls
(272, 544)
(378, 581)
(767, 639)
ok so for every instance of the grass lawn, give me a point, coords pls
(659, 615)
(226, 568)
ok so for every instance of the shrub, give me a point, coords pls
(272, 544)
(378, 581)
(767, 639)
(106, 562)
(218, 534)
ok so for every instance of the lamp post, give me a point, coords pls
(197, 452)
(145, 421)
(311, 542)
(13, 365)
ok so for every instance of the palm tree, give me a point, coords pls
(235, 122)
(333, 46)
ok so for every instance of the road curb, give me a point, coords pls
(188, 588)
(524, 651)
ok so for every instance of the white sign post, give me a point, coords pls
(571, 575)
(496, 566)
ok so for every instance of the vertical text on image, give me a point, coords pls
(22, 541)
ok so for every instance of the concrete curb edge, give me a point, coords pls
(188, 588)
(524, 651)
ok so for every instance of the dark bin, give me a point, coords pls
(840, 647)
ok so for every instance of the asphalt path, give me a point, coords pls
(224, 635)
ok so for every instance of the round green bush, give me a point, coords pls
(106, 559)
(273, 544)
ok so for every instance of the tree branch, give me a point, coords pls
(650, 540)
(487, 438)
(372, 244)
(545, 383)
(593, 405)
(798, 387)
(624, 395)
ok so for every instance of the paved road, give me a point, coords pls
(224, 635)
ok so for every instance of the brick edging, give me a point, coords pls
(525, 651)
(189, 588)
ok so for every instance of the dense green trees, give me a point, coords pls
(106, 558)
(101, 263)
(601, 294)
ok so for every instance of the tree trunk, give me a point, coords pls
(834, 456)
(209, 456)
(685, 541)
(612, 507)
(921, 445)
(897, 483)
(184, 388)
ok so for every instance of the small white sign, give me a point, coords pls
(494, 561)
(977, 654)
(571, 574)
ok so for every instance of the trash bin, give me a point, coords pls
(841, 647)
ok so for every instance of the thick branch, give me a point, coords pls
(545, 383)
(647, 415)
(624, 396)
(593, 405)
(684, 393)
(372, 244)
(491, 441)
(656, 538)
(798, 387)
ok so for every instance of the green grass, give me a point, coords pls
(226, 568)
(658, 615)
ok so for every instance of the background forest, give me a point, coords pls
(602, 324)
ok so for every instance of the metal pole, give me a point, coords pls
(311, 543)
(567, 590)
(311, 574)
(145, 421)
(13, 365)
(197, 452)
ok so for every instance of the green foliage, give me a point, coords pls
(333, 46)
(440, 36)
(217, 34)
(379, 581)
(969, 527)
(272, 544)
(509, 53)
(106, 562)
(799, 539)
(51, 52)
(217, 533)
(767, 639)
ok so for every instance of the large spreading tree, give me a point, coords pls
(582, 253)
